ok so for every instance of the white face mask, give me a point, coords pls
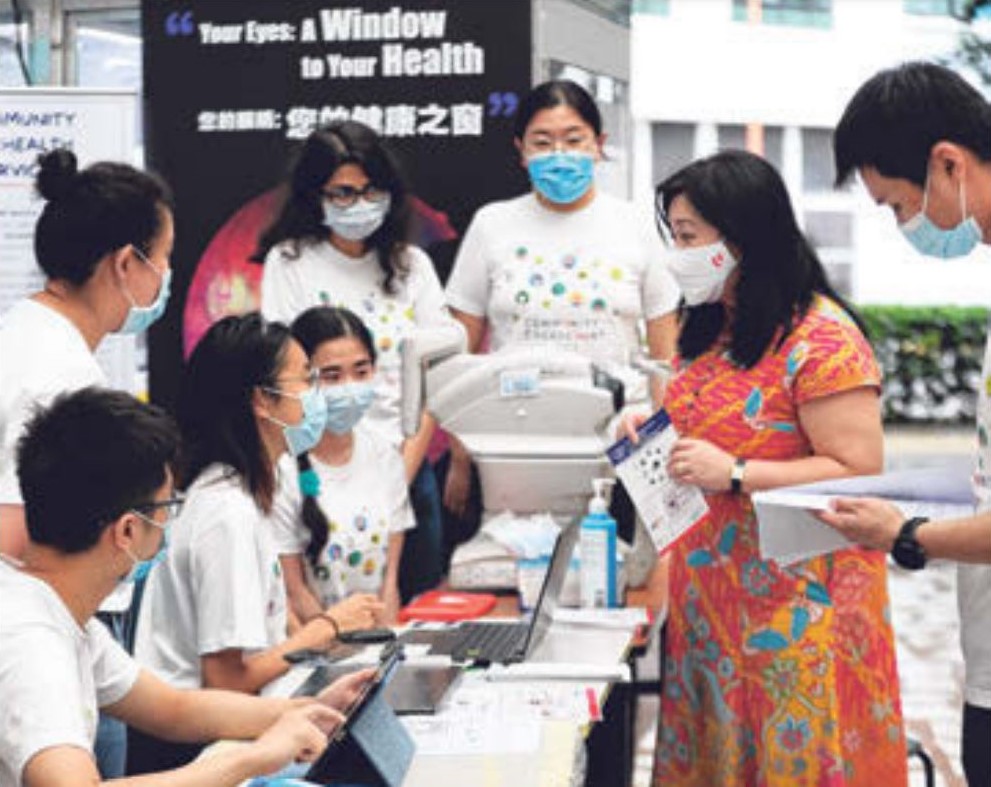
(701, 271)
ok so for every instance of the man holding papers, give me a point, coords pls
(920, 138)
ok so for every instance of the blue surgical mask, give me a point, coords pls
(346, 404)
(141, 568)
(562, 178)
(140, 318)
(358, 221)
(933, 241)
(303, 436)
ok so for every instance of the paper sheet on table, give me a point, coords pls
(790, 533)
(446, 735)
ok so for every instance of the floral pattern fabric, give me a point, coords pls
(775, 675)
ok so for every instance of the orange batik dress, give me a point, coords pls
(775, 676)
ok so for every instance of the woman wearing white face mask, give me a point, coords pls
(344, 532)
(341, 239)
(790, 671)
(564, 264)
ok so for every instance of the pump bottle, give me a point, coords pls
(597, 537)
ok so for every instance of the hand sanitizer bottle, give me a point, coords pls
(598, 550)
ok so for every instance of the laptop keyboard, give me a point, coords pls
(494, 642)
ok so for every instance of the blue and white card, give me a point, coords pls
(667, 507)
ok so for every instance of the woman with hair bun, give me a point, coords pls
(103, 241)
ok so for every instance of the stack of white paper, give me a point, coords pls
(790, 532)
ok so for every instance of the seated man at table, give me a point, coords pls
(95, 474)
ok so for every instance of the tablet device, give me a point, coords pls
(370, 747)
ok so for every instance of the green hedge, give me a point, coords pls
(931, 357)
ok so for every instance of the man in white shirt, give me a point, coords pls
(920, 138)
(95, 475)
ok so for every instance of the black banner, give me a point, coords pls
(232, 87)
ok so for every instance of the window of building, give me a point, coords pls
(673, 147)
(818, 170)
(11, 71)
(735, 137)
(617, 11)
(802, 13)
(656, 7)
(935, 7)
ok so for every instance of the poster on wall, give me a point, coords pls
(97, 125)
(232, 90)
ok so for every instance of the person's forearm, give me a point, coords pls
(249, 674)
(967, 540)
(415, 447)
(228, 767)
(206, 715)
(305, 603)
(761, 474)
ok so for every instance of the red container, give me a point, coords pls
(447, 605)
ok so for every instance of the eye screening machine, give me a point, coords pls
(535, 421)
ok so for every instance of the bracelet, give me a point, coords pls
(330, 619)
(736, 476)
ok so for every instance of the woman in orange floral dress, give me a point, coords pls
(775, 675)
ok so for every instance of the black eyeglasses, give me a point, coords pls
(346, 196)
(172, 505)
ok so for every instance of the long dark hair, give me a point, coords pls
(744, 197)
(301, 219)
(216, 416)
(311, 329)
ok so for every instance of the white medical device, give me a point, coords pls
(531, 417)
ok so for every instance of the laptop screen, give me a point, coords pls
(550, 592)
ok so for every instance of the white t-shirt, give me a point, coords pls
(322, 276)
(365, 501)
(580, 280)
(974, 581)
(42, 354)
(54, 675)
(220, 585)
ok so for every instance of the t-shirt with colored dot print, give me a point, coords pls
(365, 502)
(584, 280)
(322, 276)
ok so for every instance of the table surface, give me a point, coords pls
(559, 757)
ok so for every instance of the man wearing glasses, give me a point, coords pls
(95, 474)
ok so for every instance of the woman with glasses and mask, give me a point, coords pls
(103, 241)
(775, 675)
(214, 613)
(342, 239)
(565, 264)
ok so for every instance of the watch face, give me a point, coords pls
(908, 554)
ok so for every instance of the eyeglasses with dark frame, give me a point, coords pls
(172, 505)
(346, 196)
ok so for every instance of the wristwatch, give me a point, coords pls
(736, 476)
(907, 551)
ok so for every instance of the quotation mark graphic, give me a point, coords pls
(179, 23)
(503, 104)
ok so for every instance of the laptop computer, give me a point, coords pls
(497, 642)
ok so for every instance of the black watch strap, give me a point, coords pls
(907, 551)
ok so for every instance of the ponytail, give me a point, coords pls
(314, 519)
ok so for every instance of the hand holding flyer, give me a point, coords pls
(667, 507)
